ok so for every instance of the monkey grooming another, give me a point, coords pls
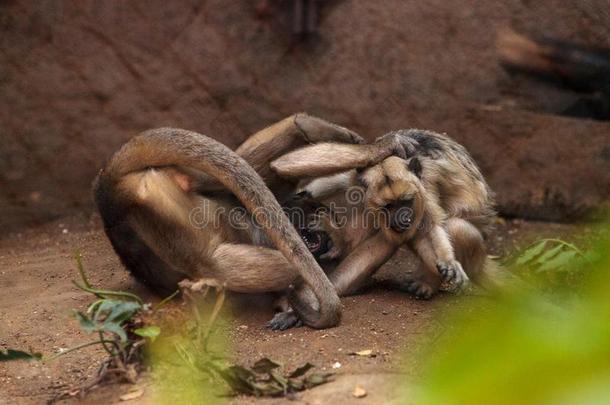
(459, 209)
(382, 208)
(150, 189)
(455, 183)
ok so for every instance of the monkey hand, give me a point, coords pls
(453, 275)
(316, 130)
(284, 320)
(396, 145)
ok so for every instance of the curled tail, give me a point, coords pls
(175, 147)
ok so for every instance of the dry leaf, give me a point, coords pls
(364, 353)
(359, 392)
(132, 395)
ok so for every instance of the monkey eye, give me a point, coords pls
(407, 201)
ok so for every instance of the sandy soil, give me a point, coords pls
(36, 269)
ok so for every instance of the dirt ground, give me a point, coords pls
(36, 270)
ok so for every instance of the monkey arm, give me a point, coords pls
(324, 159)
(359, 265)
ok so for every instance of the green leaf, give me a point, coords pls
(531, 253)
(301, 371)
(116, 329)
(118, 311)
(549, 254)
(561, 261)
(265, 365)
(85, 323)
(12, 355)
(123, 312)
(150, 332)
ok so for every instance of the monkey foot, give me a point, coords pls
(420, 289)
(453, 275)
(318, 130)
(284, 320)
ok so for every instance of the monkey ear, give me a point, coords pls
(415, 167)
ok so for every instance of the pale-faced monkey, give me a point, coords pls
(456, 185)
(458, 208)
(367, 217)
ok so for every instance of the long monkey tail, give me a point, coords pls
(177, 147)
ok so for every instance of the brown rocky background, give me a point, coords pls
(78, 78)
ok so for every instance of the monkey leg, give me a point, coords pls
(238, 267)
(469, 247)
(426, 280)
(252, 269)
(160, 221)
(193, 244)
(450, 269)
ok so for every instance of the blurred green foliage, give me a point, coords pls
(191, 365)
(187, 357)
(530, 347)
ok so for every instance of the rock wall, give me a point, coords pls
(77, 79)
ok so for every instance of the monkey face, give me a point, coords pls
(393, 192)
(400, 214)
(310, 217)
(318, 241)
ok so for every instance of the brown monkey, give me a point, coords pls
(456, 185)
(459, 208)
(152, 186)
(367, 216)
